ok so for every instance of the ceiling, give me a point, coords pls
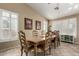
(48, 10)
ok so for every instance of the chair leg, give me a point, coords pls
(49, 50)
(58, 43)
(54, 45)
(34, 53)
(21, 51)
(26, 53)
(44, 53)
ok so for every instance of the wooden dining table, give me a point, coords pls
(37, 40)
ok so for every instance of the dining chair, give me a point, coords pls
(54, 40)
(58, 38)
(45, 46)
(50, 34)
(25, 45)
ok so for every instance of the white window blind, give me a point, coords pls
(66, 26)
(8, 25)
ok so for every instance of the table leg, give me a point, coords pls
(35, 46)
(55, 43)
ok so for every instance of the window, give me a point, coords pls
(8, 25)
(66, 26)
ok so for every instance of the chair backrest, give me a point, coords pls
(49, 34)
(57, 35)
(47, 41)
(22, 39)
(35, 33)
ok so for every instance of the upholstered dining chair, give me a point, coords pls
(25, 46)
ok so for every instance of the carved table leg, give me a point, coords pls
(35, 46)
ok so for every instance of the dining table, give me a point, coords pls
(37, 40)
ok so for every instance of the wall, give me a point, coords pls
(24, 11)
(77, 41)
(66, 17)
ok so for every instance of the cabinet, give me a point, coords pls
(67, 38)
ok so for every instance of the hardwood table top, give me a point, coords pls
(38, 39)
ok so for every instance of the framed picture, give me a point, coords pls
(38, 25)
(28, 23)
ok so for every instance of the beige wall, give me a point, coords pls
(72, 16)
(23, 11)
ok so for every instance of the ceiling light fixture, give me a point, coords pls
(57, 7)
(49, 3)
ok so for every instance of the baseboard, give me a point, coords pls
(76, 43)
(67, 42)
